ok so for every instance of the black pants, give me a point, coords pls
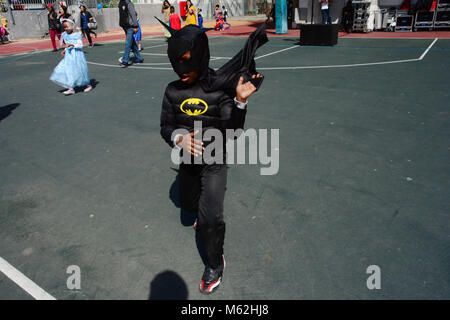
(202, 189)
(87, 33)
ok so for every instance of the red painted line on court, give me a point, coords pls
(243, 31)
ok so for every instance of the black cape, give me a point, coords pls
(193, 38)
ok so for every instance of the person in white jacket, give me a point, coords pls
(325, 9)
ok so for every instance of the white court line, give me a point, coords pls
(339, 66)
(155, 63)
(165, 55)
(297, 68)
(13, 57)
(152, 54)
(155, 46)
(388, 38)
(134, 67)
(428, 49)
(355, 64)
(156, 38)
(269, 54)
(22, 281)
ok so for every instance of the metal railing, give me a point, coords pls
(42, 4)
(253, 6)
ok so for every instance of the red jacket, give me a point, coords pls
(175, 21)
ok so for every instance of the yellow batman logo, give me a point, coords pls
(194, 106)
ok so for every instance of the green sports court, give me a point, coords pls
(86, 180)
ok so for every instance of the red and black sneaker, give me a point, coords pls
(212, 278)
(195, 224)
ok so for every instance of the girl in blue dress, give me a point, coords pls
(72, 71)
(138, 35)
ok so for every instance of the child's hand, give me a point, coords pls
(245, 90)
(63, 52)
(191, 145)
(70, 45)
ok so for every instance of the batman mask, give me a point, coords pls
(190, 38)
(193, 38)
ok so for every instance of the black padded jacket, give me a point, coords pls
(183, 104)
(53, 22)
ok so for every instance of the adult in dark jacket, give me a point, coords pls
(128, 21)
(54, 26)
(85, 18)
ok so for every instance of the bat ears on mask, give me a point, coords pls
(172, 31)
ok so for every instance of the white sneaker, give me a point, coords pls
(129, 62)
(69, 92)
(88, 88)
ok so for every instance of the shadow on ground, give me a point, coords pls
(168, 285)
(6, 111)
(93, 83)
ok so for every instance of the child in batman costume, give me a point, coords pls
(224, 93)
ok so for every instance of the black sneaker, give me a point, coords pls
(138, 61)
(212, 278)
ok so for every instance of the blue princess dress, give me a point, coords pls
(72, 71)
(138, 35)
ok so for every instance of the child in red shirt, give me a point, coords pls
(219, 20)
(174, 19)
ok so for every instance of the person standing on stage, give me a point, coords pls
(325, 9)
